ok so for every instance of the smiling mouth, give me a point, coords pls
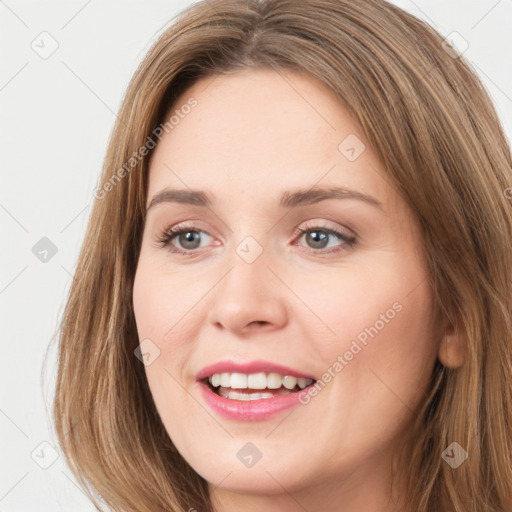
(256, 386)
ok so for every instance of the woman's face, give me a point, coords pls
(241, 291)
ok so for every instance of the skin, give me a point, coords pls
(251, 137)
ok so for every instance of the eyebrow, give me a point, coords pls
(288, 199)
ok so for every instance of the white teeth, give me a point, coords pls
(274, 381)
(302, 383)
(289, 382)
(258, 381)
(224, 379)
(238, 381)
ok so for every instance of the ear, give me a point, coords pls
(452, 349)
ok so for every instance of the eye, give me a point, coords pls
(318, 237)
(188, 237)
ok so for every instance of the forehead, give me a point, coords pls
(259, 131)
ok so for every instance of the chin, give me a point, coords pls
(232, 468)
(267, 480)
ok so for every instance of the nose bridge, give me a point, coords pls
(248, 293)
(249, 273)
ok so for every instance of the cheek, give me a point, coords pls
(374, 326)
(362, 300)
(147, 304)
(157, 309)
(378, 360)
(165, 305)
(385, 348)
(163, 301)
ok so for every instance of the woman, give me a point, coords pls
(294, 290)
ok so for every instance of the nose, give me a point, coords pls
(248, 298)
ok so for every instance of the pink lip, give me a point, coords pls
(250, 410)
(250, 367)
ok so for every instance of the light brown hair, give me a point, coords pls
(433, 126)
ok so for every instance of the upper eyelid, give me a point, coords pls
(327, 224)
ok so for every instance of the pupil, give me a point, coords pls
(188, 238)
(313, 237)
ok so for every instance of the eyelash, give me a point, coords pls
(165, 238)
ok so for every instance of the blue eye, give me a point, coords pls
(318, 237)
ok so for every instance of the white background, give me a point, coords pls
(56, 117)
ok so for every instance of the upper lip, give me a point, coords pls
(248, 368)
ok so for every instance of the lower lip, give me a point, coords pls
(248, 410)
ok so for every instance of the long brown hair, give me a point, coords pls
(433, 126)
